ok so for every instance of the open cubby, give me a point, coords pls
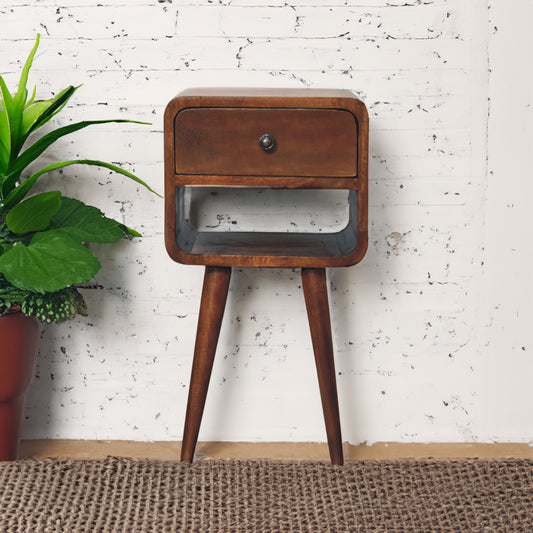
(193, 239)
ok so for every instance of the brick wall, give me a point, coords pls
(415, 350)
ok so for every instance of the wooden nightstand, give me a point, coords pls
(286, 139)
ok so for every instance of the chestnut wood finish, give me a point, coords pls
(274, 182)
(321, 141)
(344, 138)
(316, 300)
(213, 302)
(309, 142)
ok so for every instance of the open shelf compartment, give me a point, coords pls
(199, 245)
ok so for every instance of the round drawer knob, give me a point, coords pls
(267, 142)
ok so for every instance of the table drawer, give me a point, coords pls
(226, 141)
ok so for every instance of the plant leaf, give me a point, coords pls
(86, 223)
(6, 95)
(36, 149)
(52, 261)
(42, 111)
(17, 194)
(19, 102)
(5, 126)
(130, 231)
(21, 95)
(32, 98)
(35, 213)
(5, 139)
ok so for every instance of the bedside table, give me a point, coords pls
(285, 139)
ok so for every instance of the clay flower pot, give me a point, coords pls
(19, 338)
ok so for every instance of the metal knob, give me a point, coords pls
(267, 142)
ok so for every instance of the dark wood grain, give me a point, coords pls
(211, 250)
(309, 142)
(213, 302)
(272, 182)
(211, 138)
(316, 301)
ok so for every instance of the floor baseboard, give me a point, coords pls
(167, 450)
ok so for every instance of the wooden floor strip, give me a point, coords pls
(167, 450)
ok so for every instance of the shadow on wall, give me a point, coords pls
(64, 348)
(348, 288)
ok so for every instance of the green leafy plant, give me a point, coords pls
(43, 252)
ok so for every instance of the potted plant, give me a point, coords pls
(44, 258)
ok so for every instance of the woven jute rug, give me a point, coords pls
(132, 495)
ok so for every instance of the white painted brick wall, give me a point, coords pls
(420, 343)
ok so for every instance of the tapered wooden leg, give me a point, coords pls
(316, 301)
(213, 302)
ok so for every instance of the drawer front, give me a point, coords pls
(226, 141)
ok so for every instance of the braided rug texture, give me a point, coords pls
(139, 495)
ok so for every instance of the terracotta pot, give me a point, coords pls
(19, 338)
